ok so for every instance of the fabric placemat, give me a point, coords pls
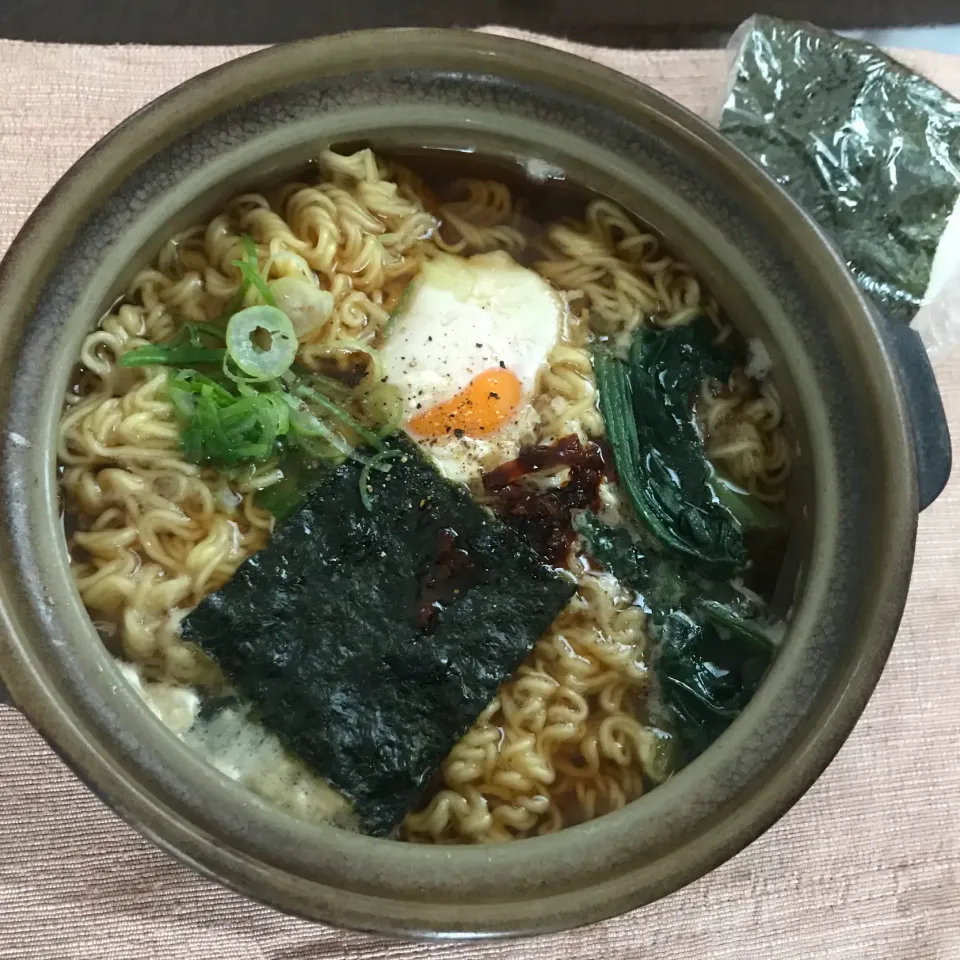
(866, 866)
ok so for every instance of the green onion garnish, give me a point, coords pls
(328, 406)
(261, 341)
(252, 276)
(376, 462)
(181, 355)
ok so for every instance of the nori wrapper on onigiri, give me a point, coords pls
(870, 149)
(370, 640)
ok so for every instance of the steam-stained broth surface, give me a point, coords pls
(495, 322)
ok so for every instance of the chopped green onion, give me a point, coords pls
(261, 362)
(376, 462)
(252, 275)
(385, 406)
(236, 301)
(189, 383)
(328, 406)
(331, 448)
(332, 389)
(170, 356)
(223, 429)
(307, 427)
(194, 330)
(249, 270)
(402, 303)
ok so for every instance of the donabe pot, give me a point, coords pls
(870, 430)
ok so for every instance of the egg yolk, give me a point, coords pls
(476, 411)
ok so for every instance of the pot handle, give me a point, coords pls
(931, 434)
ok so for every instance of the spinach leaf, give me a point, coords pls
(647, 409)
(713, 650)
(749, 511)
(707, 675)
(658, 580)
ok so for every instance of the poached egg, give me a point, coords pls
(465, 347)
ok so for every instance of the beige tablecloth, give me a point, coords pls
(866, 866)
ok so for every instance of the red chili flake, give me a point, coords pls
(545, 518)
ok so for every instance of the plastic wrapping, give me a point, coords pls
(870, 149)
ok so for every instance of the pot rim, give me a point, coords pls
(24, 271)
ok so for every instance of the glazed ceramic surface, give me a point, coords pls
(261, 117)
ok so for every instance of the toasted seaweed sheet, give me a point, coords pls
(870, 149)
(370, 640)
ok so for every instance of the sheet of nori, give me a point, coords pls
(869, 148)
(318, 630)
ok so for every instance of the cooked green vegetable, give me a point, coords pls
(713, 645)
(250, 272)
(370, 640)
(647, 409)
(402, 303)
(221, 428)
(261, 341)
(730, 617)
(183, 355)
(315, 397)
(749, 511)
(658, 580)
(378, 462)
(707, 675)
(185, 349)
(712, 640)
